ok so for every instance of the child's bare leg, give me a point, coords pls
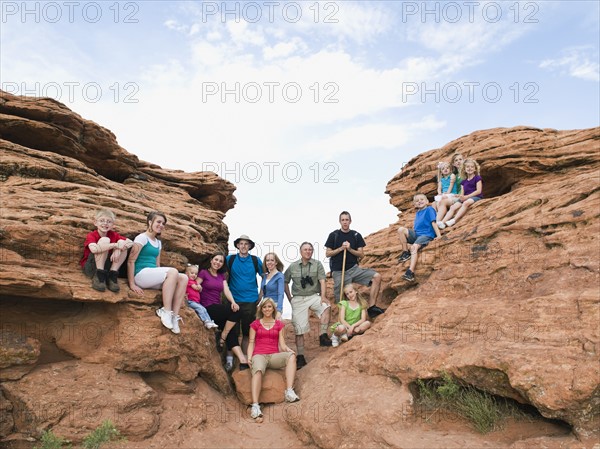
(463, 209)
(414, 255)
(117, 263)
(290, 371)
(403, 234)
(101, 253)
(340, 330)
(451, 211)
(443, 208)
(362, 328)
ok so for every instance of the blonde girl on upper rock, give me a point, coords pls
(444, 204)
(471, 192)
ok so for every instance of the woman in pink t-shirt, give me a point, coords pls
(265, 343)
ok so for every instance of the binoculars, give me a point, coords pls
(306, 280)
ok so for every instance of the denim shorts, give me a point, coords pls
(475, 198)
(422, 240)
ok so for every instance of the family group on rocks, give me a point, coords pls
(226, 296)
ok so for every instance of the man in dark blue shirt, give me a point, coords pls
(353, 243)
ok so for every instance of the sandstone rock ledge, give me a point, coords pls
(70, 356)
(507, 301)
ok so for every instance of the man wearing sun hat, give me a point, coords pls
(243, 269)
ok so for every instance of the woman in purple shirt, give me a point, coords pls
(471, 192)
(225, 315)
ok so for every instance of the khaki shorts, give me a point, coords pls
(278, 360)
(300, 308)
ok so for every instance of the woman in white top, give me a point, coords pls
(144, 271)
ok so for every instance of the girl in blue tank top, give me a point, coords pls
(443, 203)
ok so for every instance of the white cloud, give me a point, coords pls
(242, 34)
(371, 136)
(580, 62)
(176, 26)
(467, 39)
(283, 49)
(357, 22)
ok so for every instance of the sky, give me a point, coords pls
(309, 108)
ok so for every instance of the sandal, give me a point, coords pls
(220, 342)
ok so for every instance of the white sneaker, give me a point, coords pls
(451, 222)
(255, 411)
(344, 338)
(210, 325)
(291, 396)
(229, 367)
(335, 341)
(165, 317)
(176, 319)
(441, 224)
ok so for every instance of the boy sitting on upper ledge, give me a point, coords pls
(109, 251)
(425, 230)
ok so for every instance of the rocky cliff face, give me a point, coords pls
(507, 300)
(85, 351)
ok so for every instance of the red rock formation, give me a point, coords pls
(507, 300)
(272, 391)
(56, 170)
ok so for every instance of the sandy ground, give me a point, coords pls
(206, 419)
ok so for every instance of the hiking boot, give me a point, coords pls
(99, 281)
(165, 317)
(324, 340)
(255, 411)
(409, 276)
(176, 319)
(300, 361)
(344, 338)
(290, 395)
(374, 311)
(112, 281)
(404, 256)
(335, 341)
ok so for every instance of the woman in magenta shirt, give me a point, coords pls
(266, 340)
(225, 315)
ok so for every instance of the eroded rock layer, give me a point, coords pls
(60, 337)
(507, 300)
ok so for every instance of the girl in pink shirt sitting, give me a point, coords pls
(266, 340)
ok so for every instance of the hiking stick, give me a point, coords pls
(343, 272)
